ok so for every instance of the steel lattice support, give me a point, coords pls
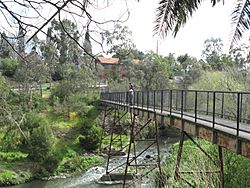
(219, 162)
(133, 154)
(114, 131)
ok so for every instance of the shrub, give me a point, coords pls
(91, 139)
(13, 178)
(12, 156)
(41, 142)
(8, 66)
(41, 138)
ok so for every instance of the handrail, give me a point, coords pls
(207, 105)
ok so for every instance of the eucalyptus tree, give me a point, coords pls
(172, 15)
(191, 69)
(33, 17)
(240, 56)
(4, 47)
(212, 53)
(118, 41)
(156, 71)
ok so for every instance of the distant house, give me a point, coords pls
(106, 67)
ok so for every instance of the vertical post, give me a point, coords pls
(103, 127)
(161, 183)
(138, 98)
(111, 140)
(142, 98)
(170, 101)
(207, 102)
(154, 100)
(147, 99)
(177, 167)
(182, 103)
(222, 105)
(213, 128)
(185, 100)
(241, 96)
(176, 99)
(222, 181)
(195, 105)
(161, 100)
(131, 141)
(238, 145)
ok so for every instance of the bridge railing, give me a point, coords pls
(210, 106)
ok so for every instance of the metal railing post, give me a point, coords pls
(222, 106)
(176, 99)
(182, 102)
(137, 96)
(207, 102)
(170, 101)
(238, 147)
(142, 99)
(161, 101)
(147, 99)
(213, 126)
(195, 105)
(154, 100)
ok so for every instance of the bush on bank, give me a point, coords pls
(236, 167)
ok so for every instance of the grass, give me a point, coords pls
(68, 155)
(8, 177)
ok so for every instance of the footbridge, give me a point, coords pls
(221, 117)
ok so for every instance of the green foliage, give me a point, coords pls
(12, 156)
(90, 132)
(217, 81)
(13, 178)
(79, 163)
(41, 142)
(236, 167)
(8, 66)
(41, 139)
(237, 170)
(90, 139)
(192, 160)
(47, 166)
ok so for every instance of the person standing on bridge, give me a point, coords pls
(131, 93)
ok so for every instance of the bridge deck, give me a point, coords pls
(224, 126)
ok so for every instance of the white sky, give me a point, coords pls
(207, 22)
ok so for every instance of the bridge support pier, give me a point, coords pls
(219, 162)
(141, 168)
(114, 131)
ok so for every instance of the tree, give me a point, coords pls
(171, 15)
(32, 17)
(152, 64)
(213, 52)
(191, 69)
(119, 41)
(4, 47)
(240, 56)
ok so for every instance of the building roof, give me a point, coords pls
(106, 60)
(136, 61)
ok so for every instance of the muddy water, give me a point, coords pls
(90, 178)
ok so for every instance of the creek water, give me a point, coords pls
(89, 179)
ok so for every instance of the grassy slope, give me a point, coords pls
(16, 168)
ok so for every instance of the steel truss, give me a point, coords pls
(135, 168)
(178, 173)
(133, 164)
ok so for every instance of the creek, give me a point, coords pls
(89, 179)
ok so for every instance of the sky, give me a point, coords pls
(206, 22)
